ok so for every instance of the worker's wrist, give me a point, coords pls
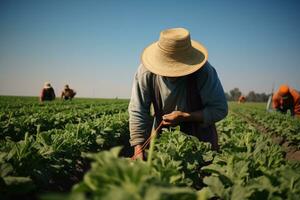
(185, 116)
(137, 148)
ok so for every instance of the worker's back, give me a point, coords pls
(68, 93)
(48, 94)
(296, 97)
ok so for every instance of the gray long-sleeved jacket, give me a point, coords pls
(173, 94)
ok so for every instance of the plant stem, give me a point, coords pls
(151, 149)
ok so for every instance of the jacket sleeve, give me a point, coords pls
(53, 93)
(213, 96)
(275, 101)
(140, 122)
(296, 98)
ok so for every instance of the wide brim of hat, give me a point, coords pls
(181, 64)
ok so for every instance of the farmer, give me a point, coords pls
(286, 99)
(47, 93)
(242, 99)
(183, 87)
(67, 93)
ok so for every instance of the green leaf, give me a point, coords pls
(18, 185)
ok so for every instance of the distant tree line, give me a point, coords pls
(252, 96)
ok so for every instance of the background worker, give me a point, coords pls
(47, 93)
(67, 93)
(242, 99)
(287, 98)
(183, 87)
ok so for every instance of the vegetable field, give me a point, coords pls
(79, 150)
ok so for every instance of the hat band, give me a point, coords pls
(170, 45)
(172, 51)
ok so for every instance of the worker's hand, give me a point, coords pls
(174, 118)
(138, 149)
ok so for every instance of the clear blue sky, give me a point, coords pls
(95, 46)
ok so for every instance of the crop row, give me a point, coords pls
(273, 123)
(248, 166)
(16, 127)
(54, 152)
(51, 160)
(57, 107)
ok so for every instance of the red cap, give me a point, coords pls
(283, 90)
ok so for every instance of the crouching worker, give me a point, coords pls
(67, 93)
(183, 87)
(47, 93)
(242, 99)
(286, 99)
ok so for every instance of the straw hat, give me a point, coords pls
(47, 85)
(174, 54)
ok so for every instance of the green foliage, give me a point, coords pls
(275, 123)
(112, 177)
(249, 166)
(53, 147)
(180, 152)
(51, 159)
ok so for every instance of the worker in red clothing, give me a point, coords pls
(242, 99)
(47, 93)
(287, 98)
